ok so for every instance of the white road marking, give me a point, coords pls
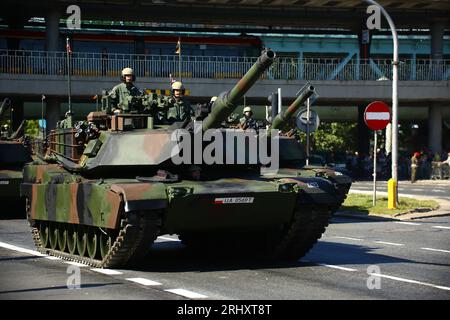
(390, 243)
(77, 264)
(441, 227)
(187, 293)
(409, 281)
(23, 250)
(349, 238)
(109, 272)
(144, 281)
(408, 223)
(169, 239)
(337, 267)
(438, 250)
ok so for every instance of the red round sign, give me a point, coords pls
(377, 115)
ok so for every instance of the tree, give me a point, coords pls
(332, 137)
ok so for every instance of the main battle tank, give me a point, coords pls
(112, 184)
(293, 156)
(14, 153)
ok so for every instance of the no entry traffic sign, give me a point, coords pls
(377, 115)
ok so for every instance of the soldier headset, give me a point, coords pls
(127, 72)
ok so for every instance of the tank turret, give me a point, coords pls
(292, 154)
(227, 102)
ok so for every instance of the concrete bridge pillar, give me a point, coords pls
(52, 30)
(435, 129)
(437, 39)
(363, 139)
(53, 113)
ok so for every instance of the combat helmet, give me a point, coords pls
(247, 109)
(178, 85)
(127, 72)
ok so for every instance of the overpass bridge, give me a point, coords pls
(341, 83)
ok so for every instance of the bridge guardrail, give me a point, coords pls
(218, 67)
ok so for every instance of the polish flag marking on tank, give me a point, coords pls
(377, 115)
(233, 200)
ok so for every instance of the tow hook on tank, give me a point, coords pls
(178, 192)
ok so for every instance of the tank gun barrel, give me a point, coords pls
(283, 117)
(227, 102)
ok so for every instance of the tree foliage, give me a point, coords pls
(333, 136)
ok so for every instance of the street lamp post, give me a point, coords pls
(392, 186)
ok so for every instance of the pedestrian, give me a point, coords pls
(414, 166)
(448, 159)
(104, 59)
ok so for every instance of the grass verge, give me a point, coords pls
(363, 203)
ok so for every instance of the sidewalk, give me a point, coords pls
(442, 210)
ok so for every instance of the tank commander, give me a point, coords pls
(176, 107)
(247, 121)
(124, 96)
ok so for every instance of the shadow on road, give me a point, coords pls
(82, 286)
(172, 256)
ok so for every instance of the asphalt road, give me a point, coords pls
(425, 188)
(355, 259)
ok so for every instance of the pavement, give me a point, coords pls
(437, 190)
(355, 259)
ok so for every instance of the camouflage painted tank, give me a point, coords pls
(111, 186)
(14, 153)
(293, 158)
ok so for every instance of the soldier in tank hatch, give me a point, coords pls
(247, 121)
(122, 95)
(176, 107)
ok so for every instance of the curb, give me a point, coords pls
(441, 211)
(406, 216)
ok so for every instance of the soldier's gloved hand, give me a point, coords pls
(117, 111)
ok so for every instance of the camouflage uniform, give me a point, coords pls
(122, 96)
(173, 110)
(247, 123)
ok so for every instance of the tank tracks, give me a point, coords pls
(291, 243)
(307, 227)
(135, 236)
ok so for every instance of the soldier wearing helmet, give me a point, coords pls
(122, 94)
(247, 121)
(176, 107)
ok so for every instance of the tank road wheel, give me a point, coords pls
(92, 242)
(71, 239)
(81, 240)
(53, 235)
(62, 238)
(105, 242)
(43, 233)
